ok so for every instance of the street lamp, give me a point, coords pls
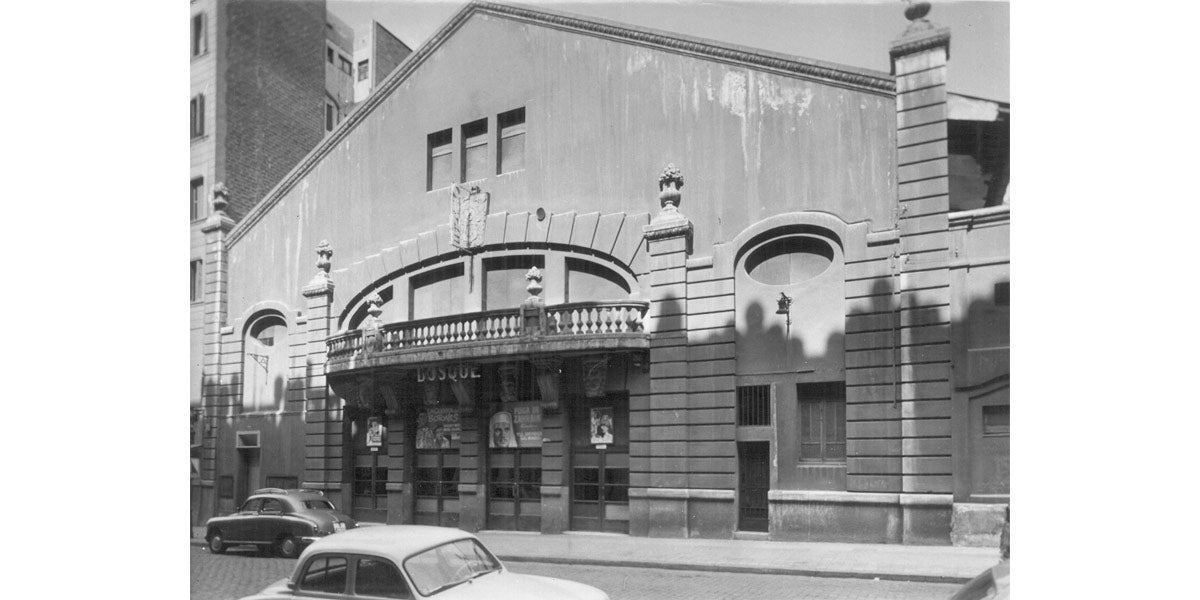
(785, 308)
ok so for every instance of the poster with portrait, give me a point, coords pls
(602, 425)
(438, 428)
(375, 433)
(517, 425)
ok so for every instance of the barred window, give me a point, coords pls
(754, 405)
(822, 421)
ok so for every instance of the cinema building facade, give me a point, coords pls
(488, 300)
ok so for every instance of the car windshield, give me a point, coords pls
(318, 504)
(448, 565)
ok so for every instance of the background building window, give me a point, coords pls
(474, 136)
(197, 280)
(363, 69)
(754, 405)
(330, 116)
(197, 207)
(439, 160)
(199, 34)
(329, 55)
(347, 67)
(197, 116)
(511, 154)
(822, 421)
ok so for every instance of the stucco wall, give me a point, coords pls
(602, 119)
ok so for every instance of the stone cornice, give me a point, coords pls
(667, 230)
(925, 40)
(217, 222)
(317, 288)
(859, 79)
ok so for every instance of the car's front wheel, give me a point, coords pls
(216, 542)
(287, 547)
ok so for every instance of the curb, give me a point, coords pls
(720, 568)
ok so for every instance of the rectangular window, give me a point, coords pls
(754, 405)
(347, 67)
(199, 34)
(329, 54)
(511, 154)
(197, 206)
(363, 69)
(995, 419)
(438, 175)
(822, 421)
(1000, 293)
(474, 151)
(197, 116)
(330, 116)
(197, 280)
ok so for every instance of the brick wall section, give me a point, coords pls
(389, 52)
(711, 368)
(323, 441)
(919, 62)
(873, 432)
(274, 80)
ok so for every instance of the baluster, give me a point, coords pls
(608, 320)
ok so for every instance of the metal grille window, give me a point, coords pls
(754, 405)
(436, 475)
(440, 149)
(511, 155)
(822, 421)
(474, 137)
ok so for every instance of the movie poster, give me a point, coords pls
(438, 428)
(375, 433)
(519, 425)
(602, 425)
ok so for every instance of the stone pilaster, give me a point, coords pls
(323, 464)
(919, 61)
(217, 394)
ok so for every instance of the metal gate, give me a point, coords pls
(754, 479)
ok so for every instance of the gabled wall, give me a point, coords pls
(603, 117)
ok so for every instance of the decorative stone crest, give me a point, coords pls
(668, 184)
(220, 198)
(468, 216)
(534, 277)
(324, 253)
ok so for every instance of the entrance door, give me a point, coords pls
(600, 471)
(514, 489)
(754, 479)
(435, 485)
(369, 472)
(990, 446)
(249, 474)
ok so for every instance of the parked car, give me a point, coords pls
(413, 561)
(275, 519)
(992, 584)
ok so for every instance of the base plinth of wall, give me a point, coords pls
(859, 517)
(977, 524)
(681, 513)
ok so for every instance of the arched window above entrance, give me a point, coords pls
(265, 363)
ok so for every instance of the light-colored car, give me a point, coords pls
(413, 561)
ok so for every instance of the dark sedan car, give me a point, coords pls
(275, 519)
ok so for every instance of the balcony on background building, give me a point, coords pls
(577, 327)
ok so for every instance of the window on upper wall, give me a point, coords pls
(346, 65)
(197, 280)
(330, 116)
(439, 152)
(822, 421)
(197, 116)
(199, 34)
(754, 405)
(197, 205)
(363, 69)
(474, 150)
(511, 153)
(329, 54)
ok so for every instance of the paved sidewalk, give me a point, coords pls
(935, 564)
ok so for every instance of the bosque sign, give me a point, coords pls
(450, 372)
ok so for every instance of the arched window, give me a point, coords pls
(265, 364)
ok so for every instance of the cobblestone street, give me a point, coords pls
(242, 573)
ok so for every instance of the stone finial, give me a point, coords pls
(534, 277)
(668, 184)
(915, 13)
(220, 197)
(324, 253)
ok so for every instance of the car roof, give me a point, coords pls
(396, 542)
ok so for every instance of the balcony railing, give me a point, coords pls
(560, 320)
